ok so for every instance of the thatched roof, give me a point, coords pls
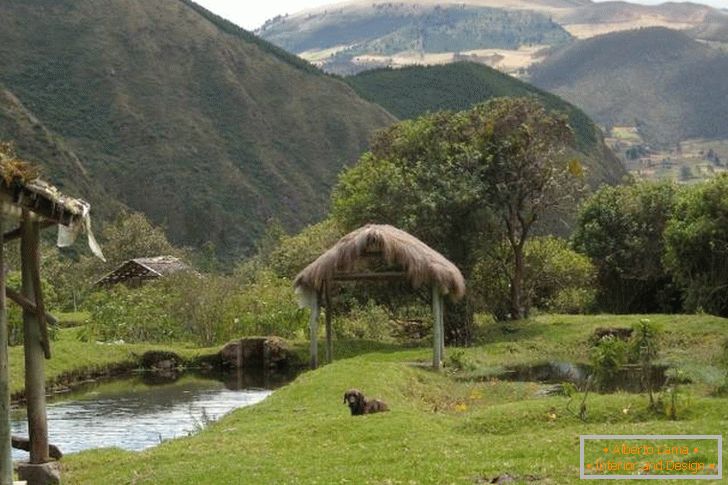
(21, 191)
(144, 269)
(421, 264)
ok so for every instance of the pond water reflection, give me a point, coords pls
(141, 410)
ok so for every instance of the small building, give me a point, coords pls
(136, 271)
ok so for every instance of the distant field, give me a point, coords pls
(690, 161)
(585, 31)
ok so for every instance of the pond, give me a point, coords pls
(143, 409)
(628, 378)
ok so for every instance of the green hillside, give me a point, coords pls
(59, 165)
(668, 85)
(412, 91)
(180, 114)
(390, 28)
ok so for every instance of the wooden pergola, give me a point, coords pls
(405, 258)
(31, 205)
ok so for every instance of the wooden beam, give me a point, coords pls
(28, 305)
(6, 457)
(385, 275)
(33, 346)
(313, 332)
(329, 329)
(20, 443)
(436, 329)
(16, 233)
(39, 204)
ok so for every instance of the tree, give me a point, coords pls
(621, 230)
(461, 181)
(526, 173)
(696, 240)
(132, 235)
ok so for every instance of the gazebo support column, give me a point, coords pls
(33, 343)
(329, 329)
(6, 460)
(313, 329)
(437, 327)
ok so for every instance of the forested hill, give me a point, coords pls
(412, 91)
(667, 84)
(175, 112)
(37, 144)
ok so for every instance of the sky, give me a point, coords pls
(251, 14)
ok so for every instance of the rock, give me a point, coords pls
(161, 360)
(552, 390)
(621, 333)
(40, 474)
(505, 478)
(256, 352)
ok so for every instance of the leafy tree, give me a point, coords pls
(697, 245)
(132, 235)
(557, 279)
(621, 230)
(461, 181)
(526, 174)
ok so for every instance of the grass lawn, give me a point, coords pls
(72, 357)
(443, 428)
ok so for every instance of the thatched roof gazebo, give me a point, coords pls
(404, 256)
(30, 205)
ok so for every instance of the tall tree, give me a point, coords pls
(526, 173)
(461, 181)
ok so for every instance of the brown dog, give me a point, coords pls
(359, 405)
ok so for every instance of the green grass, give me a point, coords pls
(442, 428)
(72, 358)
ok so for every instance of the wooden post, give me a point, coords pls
(442, 327)
(313, 330)
(33, 344)
(436, 328)
(329, 330)
(6, 459)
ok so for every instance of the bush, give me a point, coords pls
(369, 321)
(696, 241)
(203, 309)
(557, 279)
(132, 315)
(621, 230)
(607, 357)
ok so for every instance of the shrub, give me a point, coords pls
(697, 246)
(607, 357)
(557, 279)
(368, 321)
(204, 309)
(621, 230)
(133, 315)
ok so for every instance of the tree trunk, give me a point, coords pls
(458, 320)
(517, 309)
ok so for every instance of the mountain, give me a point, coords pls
(412, 91)
(177, 113)
(353, 37)
(35, 143)
(511, 35)
(713, 29)
(668, 85)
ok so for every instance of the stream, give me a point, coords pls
(141, 410)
